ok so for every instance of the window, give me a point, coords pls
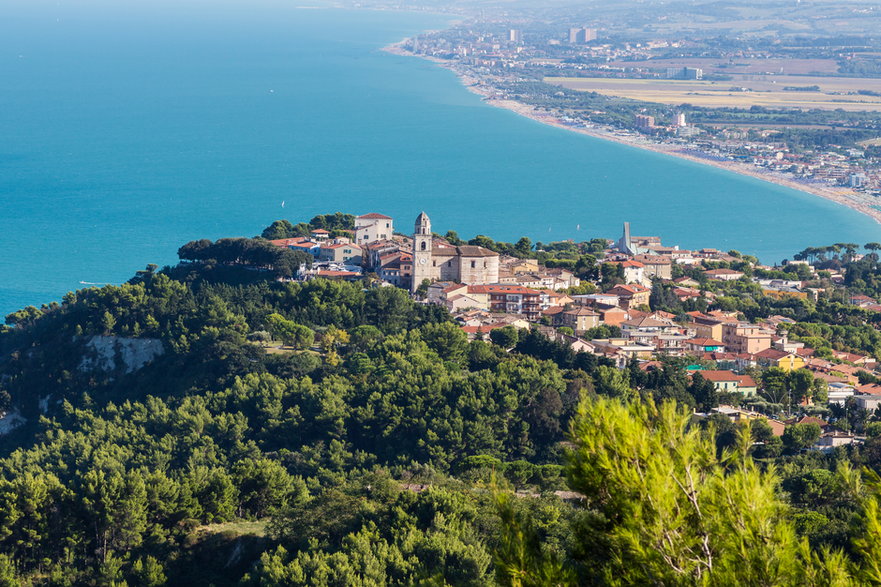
(423, 245)
(473, 264)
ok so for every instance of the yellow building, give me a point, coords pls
(779, 294)
(781, 359)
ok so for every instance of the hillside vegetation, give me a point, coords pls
(376, 445)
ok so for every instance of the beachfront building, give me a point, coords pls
(436, 262)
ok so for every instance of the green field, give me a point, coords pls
(745, 92)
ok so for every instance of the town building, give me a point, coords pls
(635, 245)
(746, 338)
(373, 227)
(632, 295)
(579, 319)
(771, 357)
(645, 122)
(730, 382)
(656, 266)
(340, 251)
(723, 274)
(464, 264)
(510, 299)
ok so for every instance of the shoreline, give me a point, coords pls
(843, 196)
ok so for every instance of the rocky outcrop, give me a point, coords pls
(114, 354)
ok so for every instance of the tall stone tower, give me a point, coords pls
(421, 251)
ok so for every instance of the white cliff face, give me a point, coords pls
(113, 353)
(9, 421)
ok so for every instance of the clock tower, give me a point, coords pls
(422, 261)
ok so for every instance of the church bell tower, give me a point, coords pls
(421, 251)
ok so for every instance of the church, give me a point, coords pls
(435, 261)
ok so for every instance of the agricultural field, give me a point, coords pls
(712, 65)
(743, 92)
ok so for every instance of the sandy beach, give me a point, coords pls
(840, 195)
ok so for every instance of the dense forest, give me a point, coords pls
(210, 424)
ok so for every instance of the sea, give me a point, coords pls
(129, 127)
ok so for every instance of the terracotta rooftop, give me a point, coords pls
(632, 288)
(375, 216)
(286, 242)
(772, 354)
(502, 289)
(722, 272)
(719, 375)
(645, 322)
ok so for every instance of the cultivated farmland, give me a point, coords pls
(743, 92)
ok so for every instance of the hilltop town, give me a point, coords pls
(638, 303)
(365, 381)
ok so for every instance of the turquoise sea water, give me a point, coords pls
(128, 128)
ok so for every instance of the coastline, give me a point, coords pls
(842, 196)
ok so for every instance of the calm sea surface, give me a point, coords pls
(128, 128)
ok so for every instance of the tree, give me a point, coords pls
(264, 485)
(505, 337)
(388, 308)
(149, 572)
(291, 333)
(704, 392)
(801, 436)
(482, 241)
(767, 444)
(801, 384)
(523, 246)
(612, 382)
(453, 238)
(670, 509)
(278, 230)
(446, 339)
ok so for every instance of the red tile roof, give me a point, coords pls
(375, 216)
(772, 354)
(722, 272)
(482, 328)
(286, 242)
(870, 389)
(717, 376)
(330, 273)
(502, 289)
(631, 289)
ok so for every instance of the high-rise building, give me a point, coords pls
(645, 122)
(685, 73)
(680, 119)
(515, 36)
(579, 36)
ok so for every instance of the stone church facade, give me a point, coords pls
(463, 264)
